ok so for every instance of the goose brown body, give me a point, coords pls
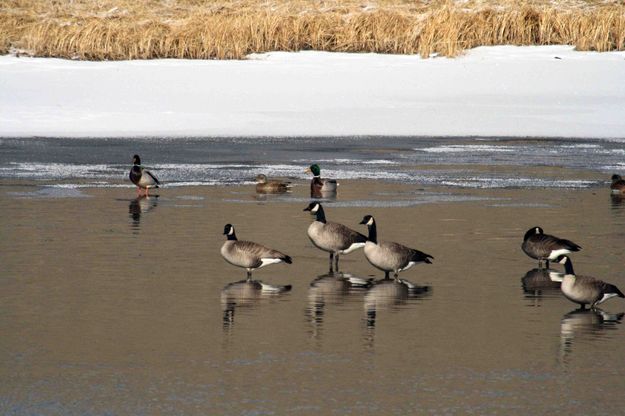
(544, 247)
(585, 290)
(332, 237)
(248, 254)
(390, 256)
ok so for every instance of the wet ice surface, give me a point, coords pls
(117, 304)
(451, 162)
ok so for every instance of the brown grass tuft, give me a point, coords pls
(230, 29)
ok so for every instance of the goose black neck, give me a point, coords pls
(373, 233)
(320, 215)
(232, 236)
(568, 267)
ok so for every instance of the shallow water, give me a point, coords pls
(452, 162)
(116, 305)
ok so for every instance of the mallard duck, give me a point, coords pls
(618, 185)
(545, 247)
(585, 289)
(264, 186)
(332, 237)
(388, 256)
(143, 178)
(247, 254)
(319, 185)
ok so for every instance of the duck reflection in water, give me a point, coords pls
(141, 205)
(331, 289)
(389, 294)
(617, 201)
(246, 293)
(538, 283)
(585, 324)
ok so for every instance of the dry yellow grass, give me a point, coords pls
(229, 29)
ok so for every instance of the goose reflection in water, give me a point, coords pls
(585, 324)
(538, 283)
(389, 294)
(141, 205)
(246, 293)
(331, 289)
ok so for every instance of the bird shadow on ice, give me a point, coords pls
(539, 284)
(139, 206)
(389, 295)
(392, 295)
(247, 294)
(583, 326)
(332, 289)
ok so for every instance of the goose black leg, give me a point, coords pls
(331, 261)
(336, 262)
(386, 275)
(249, 275)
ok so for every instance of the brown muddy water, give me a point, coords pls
(114, 306)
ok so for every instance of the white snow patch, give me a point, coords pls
(488, 91)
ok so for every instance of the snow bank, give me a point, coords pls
(490, 91)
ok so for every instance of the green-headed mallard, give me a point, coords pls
(319, 185)
(618, 185)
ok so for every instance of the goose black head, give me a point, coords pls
(568, 264)
(368, 220)
(261, 178)
(562, 259)
(314, 169)
(313, 207)
(616, 178)
(533, 231)
(228, 229)
(136, 160)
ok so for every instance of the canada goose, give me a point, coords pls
(264, 186)
(585, 289)
(332, 237)
(144, 179)
(388, 256)
(318, 186)
(618, 185)
(541, 246)
(248, 254)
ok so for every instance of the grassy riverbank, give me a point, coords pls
(223, 29)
